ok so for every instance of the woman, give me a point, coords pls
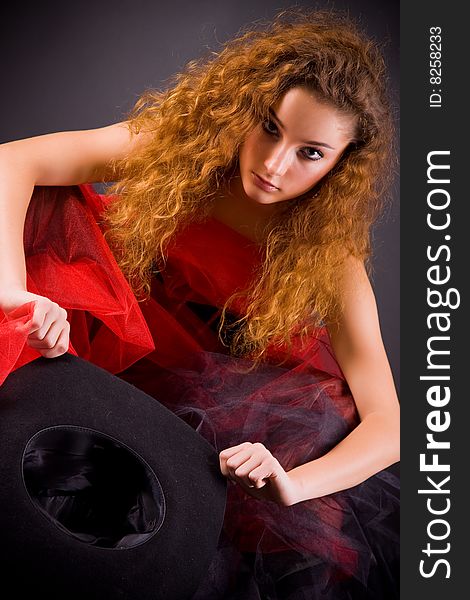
(240, 216)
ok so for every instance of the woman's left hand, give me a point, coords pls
(254, 468)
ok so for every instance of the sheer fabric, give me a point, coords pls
(344, 545)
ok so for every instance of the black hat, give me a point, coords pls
(104, 492)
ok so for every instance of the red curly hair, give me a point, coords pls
(197, 127)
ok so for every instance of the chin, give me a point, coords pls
(259, 196)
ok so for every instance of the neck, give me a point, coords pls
(233, 207)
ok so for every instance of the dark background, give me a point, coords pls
(83, 64)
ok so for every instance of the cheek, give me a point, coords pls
(251, 150)
(306, 177)
(303, 181)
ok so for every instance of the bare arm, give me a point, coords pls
(63, 158)
(372, 446)
(375, 443)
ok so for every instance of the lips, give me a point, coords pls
(263, 184)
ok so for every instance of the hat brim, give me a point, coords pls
(69, 391)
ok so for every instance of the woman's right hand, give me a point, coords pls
(48, 329)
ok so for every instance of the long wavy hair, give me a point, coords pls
(197, 127)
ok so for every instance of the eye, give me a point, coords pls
(270, 127)
(312, 153)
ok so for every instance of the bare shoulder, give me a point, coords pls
(353, 278)
(358, 323)
(117, 142)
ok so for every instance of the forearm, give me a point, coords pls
(16, 187)
(372, 446)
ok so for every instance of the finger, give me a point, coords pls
(243, 472)
(40, 333)
(229, 465)
(37, 319)
(261, 474)
(54, 313)
(61, 346)
(50, 337)
(228, 452)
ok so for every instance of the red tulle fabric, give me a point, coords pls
(169, 347)
(68, 261)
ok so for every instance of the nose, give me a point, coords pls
(278, 160)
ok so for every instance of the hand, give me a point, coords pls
(254, 468)
(48, 329)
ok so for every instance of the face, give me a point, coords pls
(290, 153)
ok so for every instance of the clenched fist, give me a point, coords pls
(48, 329)
(254, 468)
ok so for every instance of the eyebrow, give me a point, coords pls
(276, 118)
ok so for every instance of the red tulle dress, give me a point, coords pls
(341, 546)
